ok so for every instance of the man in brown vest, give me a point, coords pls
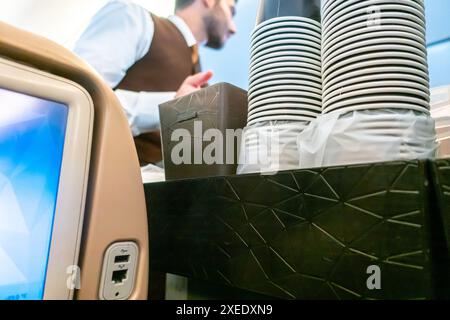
(149, 60)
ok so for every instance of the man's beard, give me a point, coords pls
(215, 43)
(212, 24)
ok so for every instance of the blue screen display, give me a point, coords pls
(32, 133)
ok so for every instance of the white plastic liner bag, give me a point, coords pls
(269, 147)
(440, 111)
(367, 136)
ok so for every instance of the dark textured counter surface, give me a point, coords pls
(306, 234)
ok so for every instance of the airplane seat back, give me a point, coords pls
(115, 203)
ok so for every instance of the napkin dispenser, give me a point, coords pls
(201, 132)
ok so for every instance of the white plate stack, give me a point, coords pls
(374, 55)
(375, 96)
(285, 86)
(285, 70)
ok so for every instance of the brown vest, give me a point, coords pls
(164, 68)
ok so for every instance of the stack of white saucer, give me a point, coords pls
(375, 98)
(374, 55)
(285, 71)
(285, 92)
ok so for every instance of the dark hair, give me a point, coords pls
(181, 4)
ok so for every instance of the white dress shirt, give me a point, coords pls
(117, 37)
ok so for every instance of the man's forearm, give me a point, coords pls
(142, 109)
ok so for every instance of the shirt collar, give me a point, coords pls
(184, 29)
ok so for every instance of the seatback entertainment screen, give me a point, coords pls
(32, 135)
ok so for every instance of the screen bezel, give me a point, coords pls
(70, 203)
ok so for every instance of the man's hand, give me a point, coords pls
(194, 83)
